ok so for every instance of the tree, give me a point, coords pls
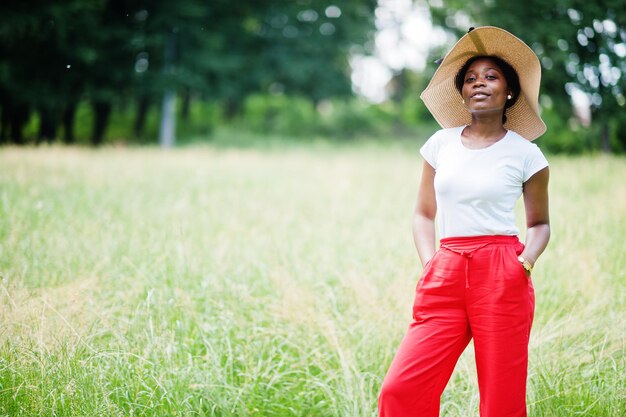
(57, 53)
(284, 47)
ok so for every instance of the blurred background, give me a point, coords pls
(174, 72)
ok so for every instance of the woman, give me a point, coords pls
(477, 285)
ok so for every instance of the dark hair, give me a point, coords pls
(512, 80)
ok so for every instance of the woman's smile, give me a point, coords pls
(480, 95)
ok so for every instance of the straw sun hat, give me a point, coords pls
(442, 98)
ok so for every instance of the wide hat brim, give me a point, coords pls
(443, 99)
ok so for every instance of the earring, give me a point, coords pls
(509, 97)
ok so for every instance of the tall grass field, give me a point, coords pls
(214, 281)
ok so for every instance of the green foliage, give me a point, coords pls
(92, 71)
(57, 54)
(353, 118)
(265, 118)
(413, 112)
(335, 119)
(280, 114)
(561, 137)
(204, 117)
(83, 122)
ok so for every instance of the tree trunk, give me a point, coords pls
(18, 116)
(606, 138)
(184, 110)
(621, 136)
(399, 82)
(68, 122)
(167, 132)
(140, 117)
(47, 125)
(102, 111)
(168, 120)
(232, 108)
(4, 121)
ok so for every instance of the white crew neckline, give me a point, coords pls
(460, 141)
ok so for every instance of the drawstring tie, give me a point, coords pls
(467, 254)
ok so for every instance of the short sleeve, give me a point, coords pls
(430, 150)
(535, 162)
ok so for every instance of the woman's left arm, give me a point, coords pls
(537, 215)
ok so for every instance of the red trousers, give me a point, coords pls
(474, 287)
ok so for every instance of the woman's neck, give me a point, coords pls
(481, 133)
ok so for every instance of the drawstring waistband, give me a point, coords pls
(475, 241)
(466, 246)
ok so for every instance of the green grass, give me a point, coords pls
(213, 281)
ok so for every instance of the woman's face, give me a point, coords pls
(484, 87)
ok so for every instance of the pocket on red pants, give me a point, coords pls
(528, 277)
(426, 284)
(516, 265)
(426, 270)
(420, 283)
(525, 281)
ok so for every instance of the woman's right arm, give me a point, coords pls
(424, 215)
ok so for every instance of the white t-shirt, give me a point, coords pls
(476, 189)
